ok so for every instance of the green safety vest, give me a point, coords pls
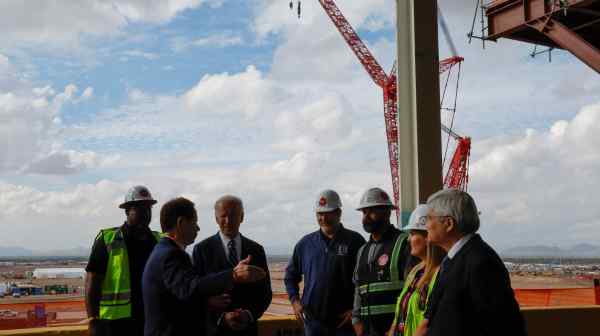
(385, 291)
(115, 302)
(414, 313)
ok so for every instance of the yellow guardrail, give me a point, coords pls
(546, 321)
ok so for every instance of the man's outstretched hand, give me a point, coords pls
(244, 272)
(219, 302)
(237, 320)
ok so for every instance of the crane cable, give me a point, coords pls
(454, 52)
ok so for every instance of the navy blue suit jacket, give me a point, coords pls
(473, 296)
(174, 291)
(209, 258)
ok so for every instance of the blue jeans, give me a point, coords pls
(314, 327)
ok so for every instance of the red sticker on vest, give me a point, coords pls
(383, 260)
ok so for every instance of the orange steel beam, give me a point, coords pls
(570, 40)
(544, 22)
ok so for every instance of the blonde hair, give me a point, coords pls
(435, 255)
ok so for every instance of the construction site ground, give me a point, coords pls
(539, 290)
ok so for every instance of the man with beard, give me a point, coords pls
(114, 270)
(381, 266)
(326, 260)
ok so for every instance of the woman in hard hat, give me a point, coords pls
(412, 302)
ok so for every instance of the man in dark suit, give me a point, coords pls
(473, 295)
(173, 290)
(236, 312)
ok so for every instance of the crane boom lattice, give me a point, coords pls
(356, 44)
(457, 176)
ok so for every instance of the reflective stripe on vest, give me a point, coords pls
(393, 286)
(380, 287)
(115, 302)
(377, 310)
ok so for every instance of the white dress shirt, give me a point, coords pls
(238, 249)
(459, 245)
(238, 244)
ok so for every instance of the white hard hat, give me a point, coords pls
(417, 218)
(375, 197)
(327, 201)
(137, 194)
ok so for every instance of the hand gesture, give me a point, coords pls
(422, 328)
(359, 329)
(236, 320)
(345, 317)
(244, 272)
(219, 302)
(298, 310)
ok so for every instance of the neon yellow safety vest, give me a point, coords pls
(379, 296)
(115, 302)
(414, 313)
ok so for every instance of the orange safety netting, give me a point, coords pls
(556, 297)
(559, 296)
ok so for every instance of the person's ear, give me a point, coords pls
(242, 217)
(179, 225)
(450, 224)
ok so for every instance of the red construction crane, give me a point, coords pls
(458, 171)
(457, 176)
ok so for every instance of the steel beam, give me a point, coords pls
(518, 20)
(569, 40)
(418, 103)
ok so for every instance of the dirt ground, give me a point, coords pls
(539, 282)
(71, 308)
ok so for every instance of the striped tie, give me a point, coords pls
(233, 258)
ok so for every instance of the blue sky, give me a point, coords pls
(206, 97)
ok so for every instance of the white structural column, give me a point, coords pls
(418, 103)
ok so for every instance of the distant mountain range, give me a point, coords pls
(577, 251)
(14, 251)
(534, 251)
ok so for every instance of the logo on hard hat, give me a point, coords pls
(144, 193)
(322, 201)
(383, 195)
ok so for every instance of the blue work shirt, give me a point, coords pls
(327, 266)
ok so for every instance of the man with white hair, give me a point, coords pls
(473, 295)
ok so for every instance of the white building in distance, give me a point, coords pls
(59, 273)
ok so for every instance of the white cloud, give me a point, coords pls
(278, 197)
(218, 40)
(143, 54)
(313, 121)
(68, 22)
(87, 93)
(543, 181)
(275, 17)
(31, 126)
(67, 162)
(245, 94)
(44, 216)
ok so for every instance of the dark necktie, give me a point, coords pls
(233, 258)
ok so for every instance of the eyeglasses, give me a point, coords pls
(430, 217)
